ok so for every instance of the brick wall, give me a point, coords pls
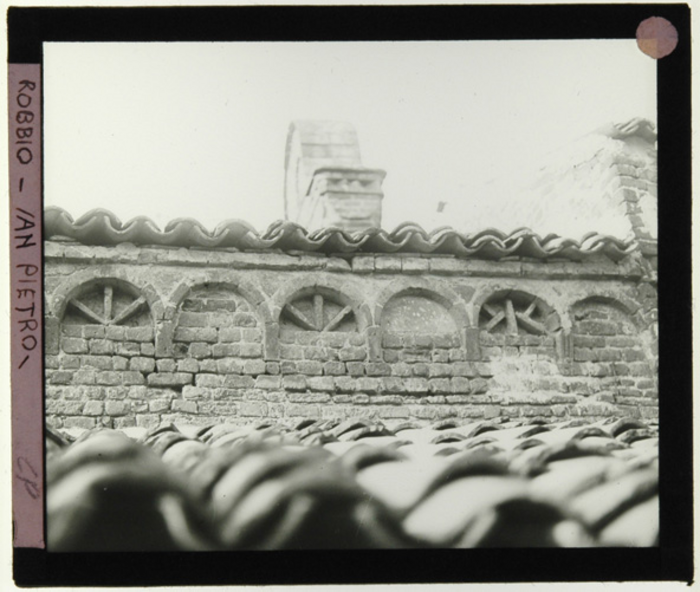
(141, 335)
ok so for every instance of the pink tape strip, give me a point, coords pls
(26, 278)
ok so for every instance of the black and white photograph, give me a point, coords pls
(352, 295)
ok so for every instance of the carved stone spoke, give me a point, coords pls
(106, 316)
(506, 311)
(316, 320)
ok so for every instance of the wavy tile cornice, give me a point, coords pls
(102, 227)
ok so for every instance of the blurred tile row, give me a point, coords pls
(355, 483)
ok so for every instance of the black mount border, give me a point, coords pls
(28, 28)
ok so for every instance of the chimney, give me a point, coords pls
(635, 163)
(325, 182)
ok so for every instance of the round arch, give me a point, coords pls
(328, 286)
(443, 295)
(82, 281)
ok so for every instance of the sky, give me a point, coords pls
(169, 130)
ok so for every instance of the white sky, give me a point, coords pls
(199, 129)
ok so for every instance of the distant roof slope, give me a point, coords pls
(102, 227)
(603, 182)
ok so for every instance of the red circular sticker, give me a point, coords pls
(657, 37)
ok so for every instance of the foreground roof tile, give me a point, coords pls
(263, 486)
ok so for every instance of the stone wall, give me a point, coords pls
(142, 335)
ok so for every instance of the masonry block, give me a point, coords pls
(362, 263)
(234, 381)
(321, 383)
(86, 423)
(416, 385)
(131, 377)
(120, 363)
(377, 369)
(230, 335)
(139, 334)
(334, 368)
(98, 362)
(593, 340)
(147, 349)
(199, 350)
(223, 350)
(268, 382)
(252, 409)
(250, 350)
(184, 406)
(74, 345)
(186, 365)
(414, 265)
(310, 368)
(244, 319)
(209, 380)
(584, 354)
(440, 356)
(439, 385)
(355, 368)
(309, 397)
(632, 355)
(401, 370)
(173, 379)
(166, 365)
(460, 384)
(352, 353)
(392, 412)
(467, 369)
(390, 356)
(368, 385)
(457, 355)
(344, 384)
(288, 367)
(127, 349)
(291, 352)
(254, 367)
(193, 319)
(225, 366)
(108, 378)
(478, 385)
(93, 408)
(89, 331)
(634, 368)
(72, 330)
(319, 353)
(391, 340)
(387, 263)
(116, 408)
(424, 412)
(60, 377)
(392, 384)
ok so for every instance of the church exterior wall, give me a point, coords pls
(144, 335)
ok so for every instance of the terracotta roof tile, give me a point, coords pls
(635, 528)
(264, 487)
(102, 227)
